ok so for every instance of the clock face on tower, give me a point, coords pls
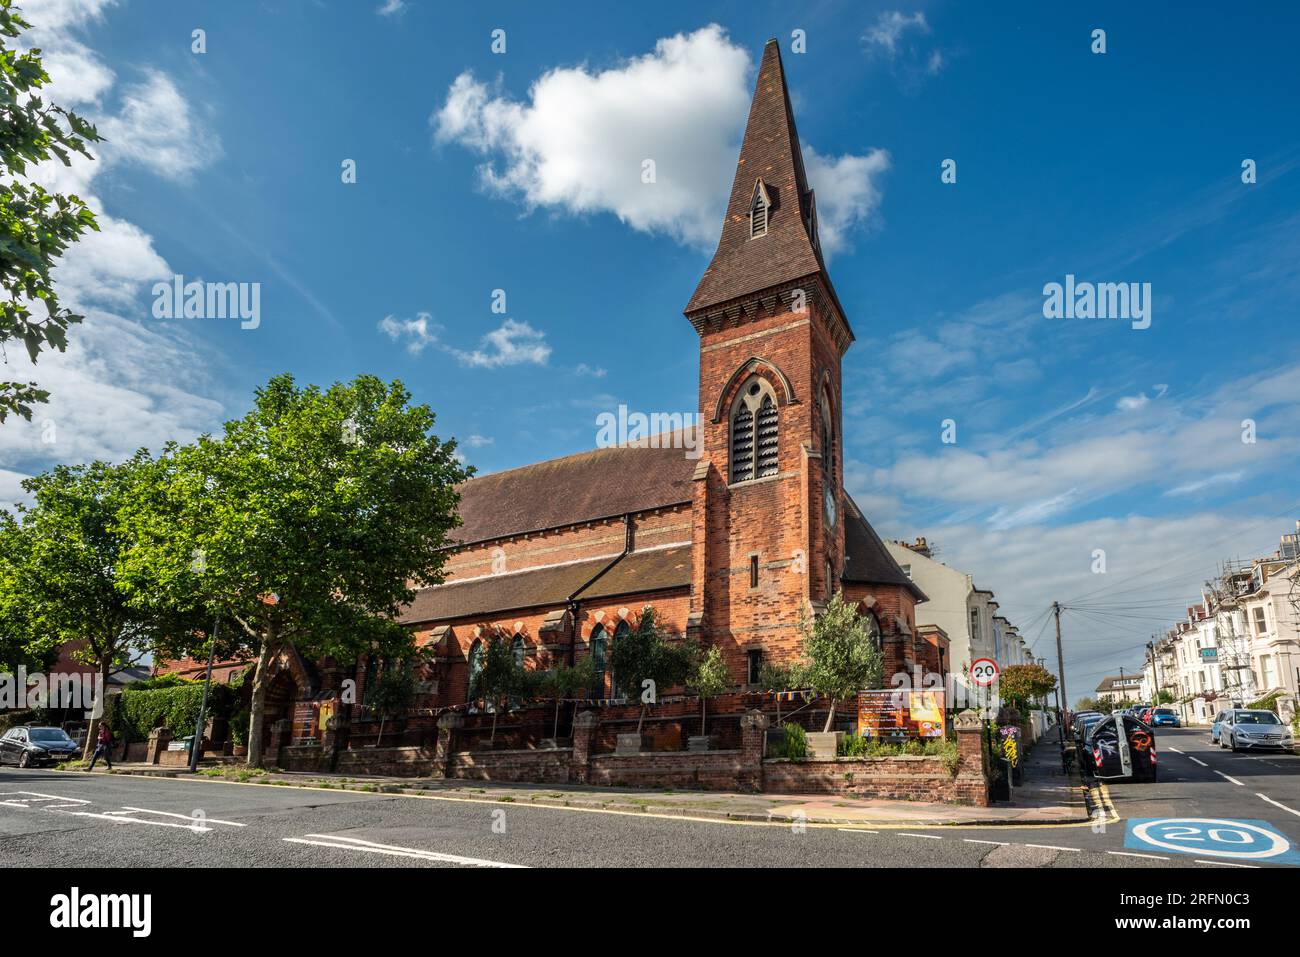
(828, 503)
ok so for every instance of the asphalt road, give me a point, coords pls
(71, 819)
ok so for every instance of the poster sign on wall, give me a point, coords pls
(900, 714)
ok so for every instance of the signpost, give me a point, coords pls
(984, 671)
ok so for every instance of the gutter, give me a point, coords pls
(572, 603)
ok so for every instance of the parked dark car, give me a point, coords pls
(28, 747)
(1130, 757)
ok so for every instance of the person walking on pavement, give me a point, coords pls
(104, 744)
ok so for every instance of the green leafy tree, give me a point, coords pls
(709, 678)
(565, 681)
(775, 678)
(1023, 684)
(647, 655)
(65, 561)
(842, 657)
(311, 520)
(36, 226)
(502, 678)
(393, 692)
(1164, 697)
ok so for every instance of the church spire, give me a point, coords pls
(769, 234)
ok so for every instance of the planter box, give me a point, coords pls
(630, 743)
(699, 742)
(822, 745)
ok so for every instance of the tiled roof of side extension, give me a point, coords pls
(770, 152)
(653, 570)
(866, 559)
(602, 483)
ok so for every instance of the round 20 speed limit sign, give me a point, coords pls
(984, 671)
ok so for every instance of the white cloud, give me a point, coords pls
(891, 26)
(513, 343)
(121, 384)
(896, 38)
(580, 142)
(392, 8)
(848, 196)
(477, 441)
(156, 129)
(593, 372)
(1220, 478)
(418, 333)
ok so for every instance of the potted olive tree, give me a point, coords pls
(842, 660)
(709, 678)
(647, 665)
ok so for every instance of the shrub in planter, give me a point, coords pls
(795, 745)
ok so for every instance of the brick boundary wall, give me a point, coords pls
(904, 777)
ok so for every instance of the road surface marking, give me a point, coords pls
(1227, 864)
(1149, 857)
(184, 817)
(1197, 760)
(392, 850)
(1175, 750)
(975, 840)
(856, 830)
(928, 837)
(196, 828)
(1054, 847)
(1228, 777)
(1277, 804)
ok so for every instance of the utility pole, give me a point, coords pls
(1060, 660)
(1155, 675)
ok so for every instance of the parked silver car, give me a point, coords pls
(1243, 729)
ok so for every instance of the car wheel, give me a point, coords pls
(24, 760)
(1232, 743)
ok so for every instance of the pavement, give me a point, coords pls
(1210, 809)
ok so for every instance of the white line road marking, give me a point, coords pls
(975, 840)
(1198, 761)
(1175, 750)
(196, 828)
(183, 817)
(391, 850)
(1228, 864)
(1277, 803)
(928, 837)
(1149, 857)
(1054, 847)
(1227, 777)
(856, 830)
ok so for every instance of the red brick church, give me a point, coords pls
(560, 558)
(729, 542)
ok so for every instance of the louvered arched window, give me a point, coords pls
(828, 443)
(754, 432)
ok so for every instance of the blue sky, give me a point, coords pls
(1072, 435)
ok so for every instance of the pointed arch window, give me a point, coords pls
(827, 443)
(475, 665)
(621, 632)
(598, 649)
(755, 432)
(759, 206)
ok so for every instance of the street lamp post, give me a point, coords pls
(197, 744)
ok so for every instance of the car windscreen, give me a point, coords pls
(1163, 711)
(1256, 717)
(49, 736)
